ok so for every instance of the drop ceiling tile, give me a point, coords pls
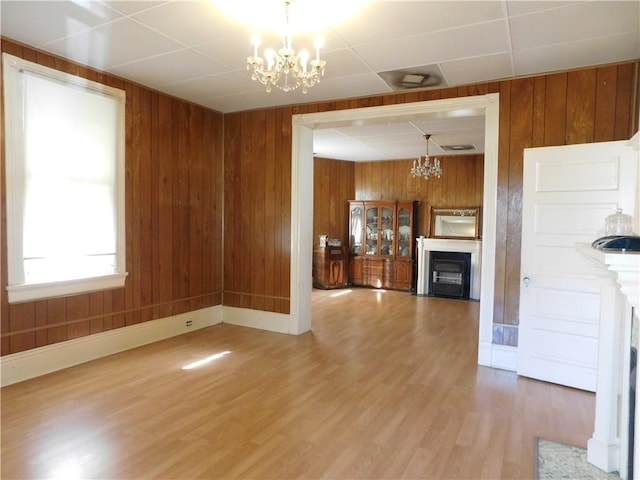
(468, 125)
(522, 7)
(191, 23)
(342, 87)
(376, 131)
(232, 54)
(575, 22)
(245, 101)
(396, 19)
(477, 69)
(483, 39)
(326, 138)
(169, 68)
(577, 54)
(211, 86)
(326, 135)
(71, 18)
(414, 140)
(129, 7)
(346, 151)
(402, 151)
(342, 63)
(112, 44)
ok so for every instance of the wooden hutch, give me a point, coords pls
(381, 243)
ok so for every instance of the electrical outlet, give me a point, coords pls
(189, 323)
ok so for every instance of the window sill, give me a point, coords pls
(37, 291)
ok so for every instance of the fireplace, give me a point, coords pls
(428, 246)
(449, 274)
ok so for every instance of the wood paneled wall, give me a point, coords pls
(257, 212)
(173, 221)
(333, 187)
(176, 250)
(578, 106)
(461, 185)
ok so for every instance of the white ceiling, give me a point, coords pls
(189, 49)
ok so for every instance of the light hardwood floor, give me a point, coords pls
(385, 386)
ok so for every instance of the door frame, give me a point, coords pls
(302, 199)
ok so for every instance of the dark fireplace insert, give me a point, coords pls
(449, 274)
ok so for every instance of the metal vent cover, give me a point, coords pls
(458, 148)
(416, 77)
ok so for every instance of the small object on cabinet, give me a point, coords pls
(618, 243)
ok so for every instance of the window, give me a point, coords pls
(65, 182)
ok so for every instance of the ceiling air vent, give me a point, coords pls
(416, 77)
(417, 80)
(458, 148)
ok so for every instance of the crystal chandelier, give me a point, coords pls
(423, 167)
(285, 65)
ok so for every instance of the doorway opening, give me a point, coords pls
(302, 197)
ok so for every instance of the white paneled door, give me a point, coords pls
(568, 192)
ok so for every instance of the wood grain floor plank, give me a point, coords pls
(385, 385)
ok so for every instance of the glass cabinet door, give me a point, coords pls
(356, 227)
(404, 232)
(386, 231)
(372, 231)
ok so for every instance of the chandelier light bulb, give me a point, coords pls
(304, 58)
(319, 43)
(255, 40)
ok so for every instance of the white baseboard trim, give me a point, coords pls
(22, 366)
(484, 353)
(603, 455)
(245, 317)
(504, 357)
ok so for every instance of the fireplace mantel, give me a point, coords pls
(608, 448)
(426, 245)
(625, 266)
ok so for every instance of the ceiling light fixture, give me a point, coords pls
(294, 70)
(423, 167)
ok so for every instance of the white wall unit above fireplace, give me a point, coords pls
(426, 245)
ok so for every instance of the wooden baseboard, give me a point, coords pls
(22, 366)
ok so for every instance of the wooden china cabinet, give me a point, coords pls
(381, 238)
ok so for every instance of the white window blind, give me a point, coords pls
(65, 192)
